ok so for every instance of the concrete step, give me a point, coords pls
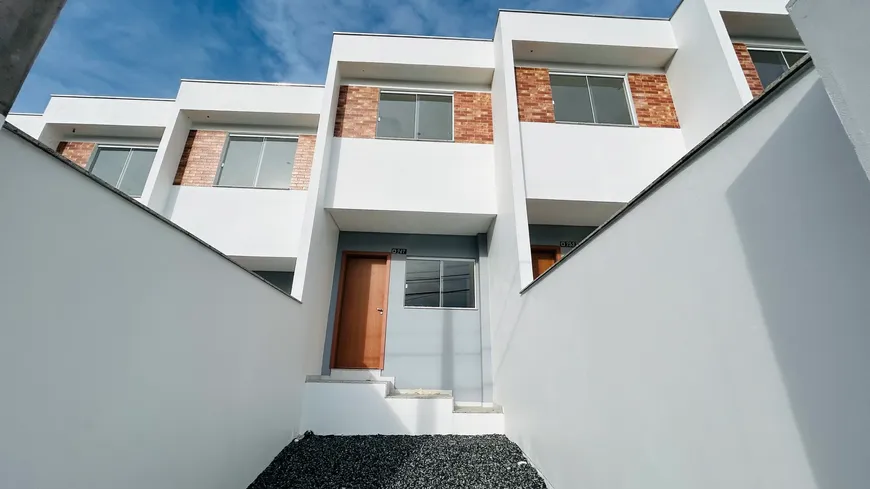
(345, 407)
(420, 394)
(478, 409)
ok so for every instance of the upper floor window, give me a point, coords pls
(432, 282)
(427, 117)
(772, 63)
(591, 99)
(125, 168)
(258, 161)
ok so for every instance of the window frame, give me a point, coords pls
(628, 96)
(475, 276)
(780, 51)
(92, 160)
(416, 95)
(264, 137)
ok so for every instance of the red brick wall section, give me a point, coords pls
(201, 158)
(78, 153)
(749, 70)
(357, 112)
(472, 117)
(302, 162)
(534, 95)
(653, 103)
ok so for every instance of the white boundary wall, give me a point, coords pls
(715, 335)
(835, 31)
(130, 354)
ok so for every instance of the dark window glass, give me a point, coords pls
(609, 100)
(136, 173)
(439, 283)
(457, 284)
(590, 99)
(422, 283)
(396, 115)
(276, 166)
(258, 161)
(124, 168)
(435, 117)
(770, 65)
(109, 164)
(571, 98)
(240, 161)
(792, 57)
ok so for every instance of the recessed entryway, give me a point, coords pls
(361, 316)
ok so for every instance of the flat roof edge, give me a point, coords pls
(236, 82)
(578, 14)
(24, 113)
(411, 36)
(111, 97)
(690, 157)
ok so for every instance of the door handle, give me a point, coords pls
(381, 310)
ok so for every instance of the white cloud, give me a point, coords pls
(299, 32)
(143, 47)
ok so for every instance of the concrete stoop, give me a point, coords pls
(337, 405)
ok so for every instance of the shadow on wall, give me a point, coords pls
(801, 251)
(339, 412)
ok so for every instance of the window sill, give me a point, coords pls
(418, 140)
(571, 123)
(425, 308)
(251, 188)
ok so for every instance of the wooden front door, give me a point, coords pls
(544, 257)
(361, 315)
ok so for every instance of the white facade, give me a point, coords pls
(559, 170)
(670, 348)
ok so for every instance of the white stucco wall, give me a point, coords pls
(411, 176)
(409, 50)
(249, 97)
(590, 30)
(130, 354)
(162, 175)
(715, 336)
(707, 82)
(109, 111)
(595, 163)
(244, 222)
(508, 246)
(318, 237)
(835, 31)
(31, 124)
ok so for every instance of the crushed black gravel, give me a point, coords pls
(394, 462)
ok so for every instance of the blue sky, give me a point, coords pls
(142, 48)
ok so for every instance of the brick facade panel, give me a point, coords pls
(472, 117)
(652, 99)
(201, 158)
(357, 112)
(77, 152)
(749, 71)
(534, 95)
(302, 162)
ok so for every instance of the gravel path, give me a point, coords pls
(394, 462)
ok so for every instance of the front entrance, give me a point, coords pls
(544, 257)
(361, 315)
